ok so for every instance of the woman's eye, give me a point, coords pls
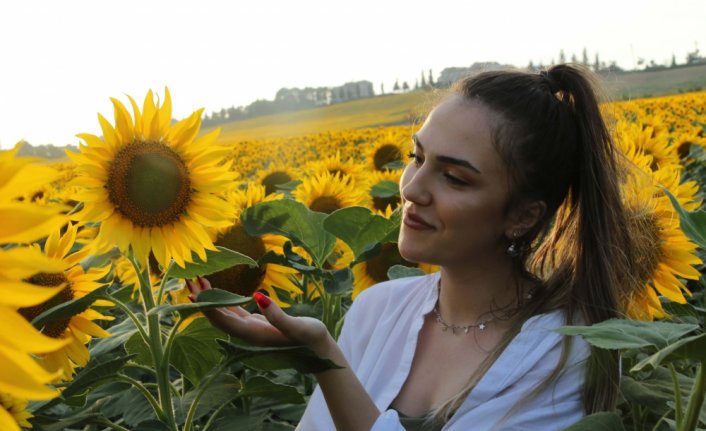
(416, 159)
(454, 180)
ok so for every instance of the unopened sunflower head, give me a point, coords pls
(153, 185)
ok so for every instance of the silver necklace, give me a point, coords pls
(445, 326)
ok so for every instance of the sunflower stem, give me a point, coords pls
(201, 390)
(678, 407)
(696, 400)
(155, 343)
(140, 387)
(163, 282)
(133, 317)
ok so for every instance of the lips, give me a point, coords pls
(415, 222)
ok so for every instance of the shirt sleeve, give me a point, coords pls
(316, 415)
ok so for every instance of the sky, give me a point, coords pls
(62, 61)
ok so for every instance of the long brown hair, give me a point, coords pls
(558, 150)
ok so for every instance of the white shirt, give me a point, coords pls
(379, 339)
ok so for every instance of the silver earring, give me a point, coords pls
(513, 250)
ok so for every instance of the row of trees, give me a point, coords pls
(692, 58)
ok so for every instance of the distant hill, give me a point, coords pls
(395, 109)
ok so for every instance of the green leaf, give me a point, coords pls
(233, 419)
(687, 348)
(260, 386)
(71, 308)
(195, 351)
(629, 334)
(215, 261)
(647, 394)
(152, 425)
(277, 358)
(97, 372)
(394, 165)
(120, 333)
(359, 228)
(130, 406)
(385, 189)
(401, 271)
(220, 392)
(339, 282)
(136, 346)
(604, 421)
(206, 300)
(293, 220)
(692, 223)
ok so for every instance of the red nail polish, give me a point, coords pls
(262, 300)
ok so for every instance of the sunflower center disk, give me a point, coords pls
(149, 184)
(386, 154)
(54, 328)
(241, 279)
(272, 180)
(325, 204)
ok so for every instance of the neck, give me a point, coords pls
(469, 295)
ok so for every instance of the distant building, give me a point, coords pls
(350, 91)
(452, 74)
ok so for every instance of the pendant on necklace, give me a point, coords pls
(480, 327)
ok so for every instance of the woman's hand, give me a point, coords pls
(272, 328)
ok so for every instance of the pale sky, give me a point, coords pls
(61, 61)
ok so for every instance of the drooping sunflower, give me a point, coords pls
(153, 185)
(242, 279)
(327, 193)
(78, 329)
(665, 255)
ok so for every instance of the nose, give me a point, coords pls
(414, 187)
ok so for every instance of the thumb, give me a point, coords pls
(299, 330)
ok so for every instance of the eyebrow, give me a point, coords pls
(447, 159)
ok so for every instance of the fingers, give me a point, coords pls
(300, 330)
(196, 287)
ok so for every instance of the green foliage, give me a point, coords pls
(215, 261)
(293, 220)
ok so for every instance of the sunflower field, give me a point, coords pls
(95, 250)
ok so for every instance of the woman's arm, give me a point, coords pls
(349, 404)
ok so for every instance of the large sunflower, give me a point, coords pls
(242, 279)
(77, 330)
(153, 186)
(665, 254)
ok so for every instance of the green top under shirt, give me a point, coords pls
(422, 423)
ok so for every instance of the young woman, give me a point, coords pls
(513, 190)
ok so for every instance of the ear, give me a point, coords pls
(524, 218)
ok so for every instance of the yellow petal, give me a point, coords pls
(18, 333)
(24, 223)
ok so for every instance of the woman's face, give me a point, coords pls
(455, 189)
